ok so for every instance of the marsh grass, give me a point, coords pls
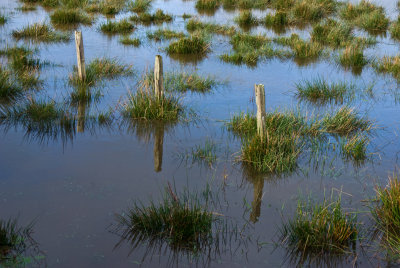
(389, 65)
(106, 7)
(246, 19)
(139, 6)
(207, 4)
(345, 121)
(355, 147)
(27, 7)
(182, 221)
(194, 25)
(3, 19)
(313, 10)
(146, 18)
(195, 44)
(320, 91)
(128, 41)
(40, 32)
(206, 153)
(301, 49)
(278, 20)
(99, 69)
(395, 29)
(164, 34)
(8, 89)
(386, 214)
(70, 16)
(352, 57)
(320, 228)
(119, 27)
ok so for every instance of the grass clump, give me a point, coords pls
(320, 228)
(355, 147)
(345, 121)
(40, 32)
(301, 49)
(106, 7)
(194, 25)
(189, 45)
(119, 27)
(128, 41)
(69, 16)
(99, 69)
(395, 29)
(313, 10)
(165, 34)
(3, 19)
(181, 221)
(320, 91)
(353, 57)
(205, 153)
(146, 18)
(388, 65)
(8, 89)
(246, 19)
(386, 213)
(139, 6)
(207, 4)
(279, 19)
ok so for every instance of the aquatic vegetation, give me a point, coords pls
(119, 27)
(8, 89)
(355, 147)
(320, 228)
(301, 49)
(128, 41)
(246, 19)
(395, 29)
(386, 215)
(3, 19)
(207, 4)
(40, 32)
(165, 34)
(388, 65)
(139, 5)
(366, 16)
(320, 91)
(194, 25)
(313, 10)
(189, 45)
(27, 8)
(99, 69)
(345, 121)
(205, 153)
(158, 17)
(69, 16)
(280, 18)
(353, 57)
(106, 7)
(180, 220)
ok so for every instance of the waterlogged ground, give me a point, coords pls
(71, 188)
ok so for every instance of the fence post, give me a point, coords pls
(80, 55)
(260, 102)
(158, 77)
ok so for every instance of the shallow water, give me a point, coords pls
(73, 188)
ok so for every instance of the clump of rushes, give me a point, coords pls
(388, 65)
(179, 220)
(8, 89)
(158, 17)
(69, 16)
(355, 147)
(139, 6)
(395, 29)
(119, 27)
(386, 213)
(366, 16)
(207, 4)
(164, 34)
(106, 7)
(301, 49)
(99, 69)
(320, 91)
(246, 19)
(145, 105)
(205, 153)
(193, 45)
(345, 121)
(3, 19)
(40, 32)
(353, 57)
(320, 228)
(279, 19)
(196, 25)
(128, 41)
(313, 10)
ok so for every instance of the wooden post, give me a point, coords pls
(260, 101)
(158, 77)
(80, 55)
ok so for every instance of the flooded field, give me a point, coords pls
(79, 160)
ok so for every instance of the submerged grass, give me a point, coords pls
(139, 6)
(386, 213)
(301, 49)
(194, 25)
(207, 4)
(206, 153)
(69, 16)
(8, 89)
(246, 19)
(158, 17)
(119, 27)
(353, 57)
(345, 121)
(194, 44)
(389, 65)
(320, 228)
(355, 147)
(165, 34)
(128, 41)
(40, 32)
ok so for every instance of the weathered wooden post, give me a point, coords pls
(158, 147)
(158, 77)
(260, 102)
(80, 55)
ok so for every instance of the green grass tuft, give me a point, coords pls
(246, 19)
(120, 27)
(353, 57)
(40, 32)
(388, 65)
(8, 89)
(158, 17)
(139, 6)
(207, 4)
(355, 147)
(189, 45)
(194, 25)
(345, 121)
(165, 34)
(205, 153)
(127, 41)
(69, 16)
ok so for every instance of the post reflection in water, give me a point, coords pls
(80, 126)
(158, 147)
